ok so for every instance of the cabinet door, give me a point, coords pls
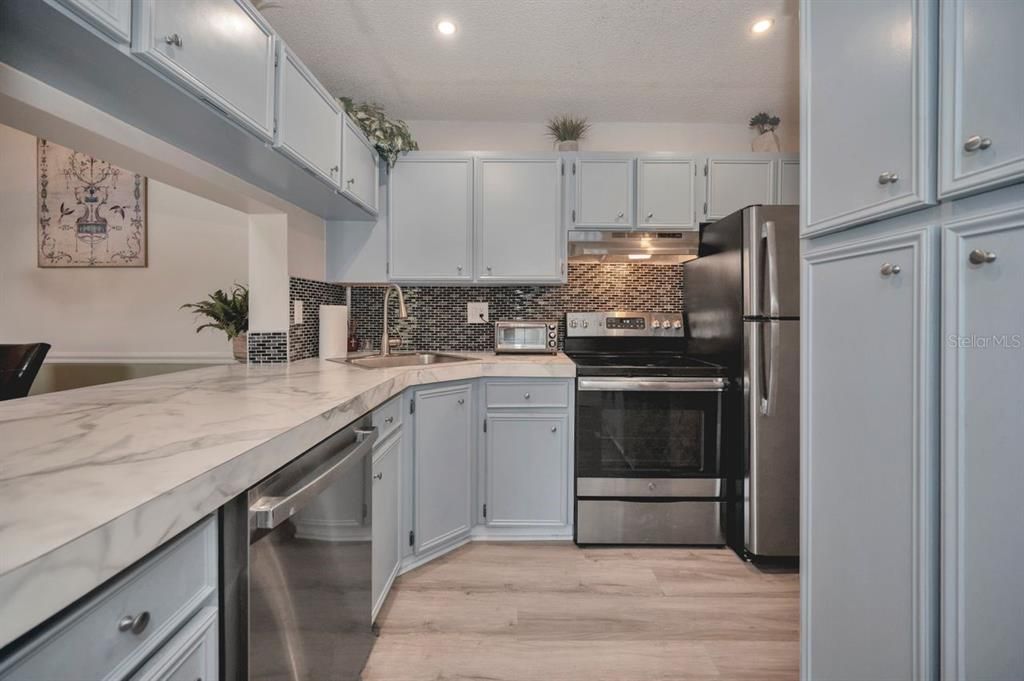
(735, 183)
(983, 466)
(527, 463)
(869, 461)
(430, 233)
(386, 482)
(112, 17)
(868, 110)
(604, 192)
(222, 50)
(308, 119)
(788, 183)
(442, 446)
(359, 166)
(665, 193)
(190, 656)
(982, 103)
(519, 219)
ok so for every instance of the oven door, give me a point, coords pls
(649, 436)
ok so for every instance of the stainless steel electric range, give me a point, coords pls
(648, 448)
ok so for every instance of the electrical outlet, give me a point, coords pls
(296, 312)
(476, 313)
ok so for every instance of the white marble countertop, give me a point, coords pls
(91, 480)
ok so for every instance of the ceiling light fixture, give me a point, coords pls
(762, 25)
(445, 27)
(639, 256)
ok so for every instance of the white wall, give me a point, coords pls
(517, 136)
(307, 245)
(195, 246)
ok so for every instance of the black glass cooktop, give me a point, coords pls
(642, 364)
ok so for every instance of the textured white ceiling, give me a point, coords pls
(525, 60)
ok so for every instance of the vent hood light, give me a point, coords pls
(642, 248)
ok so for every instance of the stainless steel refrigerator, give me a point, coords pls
(742, 309)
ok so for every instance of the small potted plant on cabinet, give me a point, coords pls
(391, 138)
(567, 131)
(766, 140)
(229, 312)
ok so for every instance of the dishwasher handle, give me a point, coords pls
(269, 512)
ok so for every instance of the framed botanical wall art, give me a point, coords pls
(91, 212)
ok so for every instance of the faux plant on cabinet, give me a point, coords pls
(567, 131)
(391, 138)
(229, 312)
(766, 139)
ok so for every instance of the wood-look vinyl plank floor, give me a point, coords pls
(555, 612)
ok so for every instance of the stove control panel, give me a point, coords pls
(621, 323)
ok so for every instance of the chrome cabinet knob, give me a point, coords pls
(488, 269)
(975, 142)
(335, 169)
(462, 401)
(526, 396)
(459, 268)
(554, 429)
(173, 39)
(651, 486)
(390, 419)
(650, 216)
(980, 257)
(888, 178)
(621, 215)
(890, 269)
(134, 623)
(379, 476)
(350, 181)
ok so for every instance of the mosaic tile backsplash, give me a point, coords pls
(304, 338)
(268, 347)
(437, 314)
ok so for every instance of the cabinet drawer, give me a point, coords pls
(190, 656)
(387, 417)
(222, 50)
(160, 593)
(531, 394)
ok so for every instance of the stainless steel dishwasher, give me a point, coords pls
(296, 567)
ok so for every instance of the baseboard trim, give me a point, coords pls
(410, 563)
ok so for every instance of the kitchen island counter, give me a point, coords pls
(93, 479)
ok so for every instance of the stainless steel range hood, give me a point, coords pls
(638, 248)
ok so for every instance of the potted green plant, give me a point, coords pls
(766, 140)
(390, 137)
(567, 131)
(229, 312)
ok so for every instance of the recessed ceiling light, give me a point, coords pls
(445, 27)
(762, 25)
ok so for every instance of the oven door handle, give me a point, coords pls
(667, 384)
(270, 512)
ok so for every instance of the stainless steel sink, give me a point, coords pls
(407, 359)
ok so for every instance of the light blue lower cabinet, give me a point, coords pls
(443, 452)
(983, 459)
(869, 573)
(132, 621)
(527, 468)
(386, 482)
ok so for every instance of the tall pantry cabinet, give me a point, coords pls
(912, 162)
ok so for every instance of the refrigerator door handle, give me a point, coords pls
(770, 382)
(772, 269)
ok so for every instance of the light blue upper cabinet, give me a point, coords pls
(308, 126)
(869, 467)
(665, 193)
(359, 164)
(983, 466)
(604, 192)
(868, 110)
(112, 17)
(430, 229)
(519, 233)
(222, 50)
(982, 102)
(735, 182)
(788, 183)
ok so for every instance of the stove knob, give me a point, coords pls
(552, 327)
(551, 343)
(585, 323)
(655, 324)
(677, 324)
(572, 324)
(551, 334)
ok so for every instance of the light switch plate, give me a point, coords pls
(474, 312)
(296, 312)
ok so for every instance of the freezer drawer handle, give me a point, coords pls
(676, 384)
(272, 511)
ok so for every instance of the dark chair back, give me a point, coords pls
(19, 365)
